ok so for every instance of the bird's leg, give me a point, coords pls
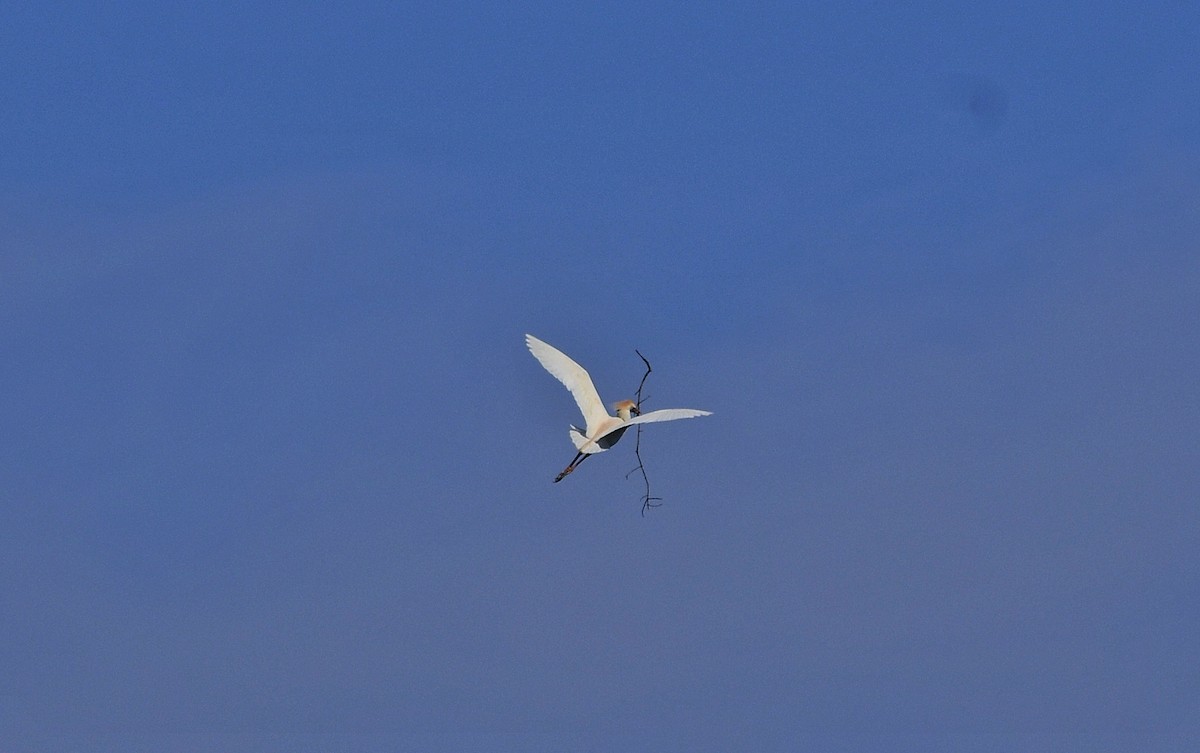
(579, 458)
(570, 467)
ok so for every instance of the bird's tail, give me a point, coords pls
(579, 440)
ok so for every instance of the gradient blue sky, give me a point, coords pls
(275, 468)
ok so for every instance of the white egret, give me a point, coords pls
(602, 430)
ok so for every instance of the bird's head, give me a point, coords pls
(625, 408)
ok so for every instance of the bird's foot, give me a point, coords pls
(563, 475)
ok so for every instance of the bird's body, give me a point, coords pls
(601, 430)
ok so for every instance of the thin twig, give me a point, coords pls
(647, 500)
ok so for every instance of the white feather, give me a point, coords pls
(574, 378)
(667, 414)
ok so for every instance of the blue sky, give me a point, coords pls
(276, 467)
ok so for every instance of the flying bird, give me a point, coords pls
(602, 430)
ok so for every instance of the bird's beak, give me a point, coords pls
(635, 411)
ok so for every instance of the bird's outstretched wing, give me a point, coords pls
(574, 378)
(667, 414)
